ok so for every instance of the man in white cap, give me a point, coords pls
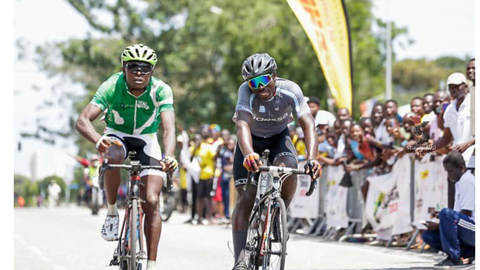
(317, 113)
(457, 117)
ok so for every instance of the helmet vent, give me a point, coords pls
(268, 65)
(259, 65)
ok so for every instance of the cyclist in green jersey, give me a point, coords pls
(135, 103)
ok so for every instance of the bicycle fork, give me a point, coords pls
(266, 228)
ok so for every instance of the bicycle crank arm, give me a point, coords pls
(274, 253)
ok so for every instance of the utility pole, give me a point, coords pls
(388, 75)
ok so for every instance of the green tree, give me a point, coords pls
(19, 182)
(200, 52)
(23, 186)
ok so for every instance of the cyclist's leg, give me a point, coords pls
(149, 153)
(243, 206)
(153, 223)
(116, 155)
(282, 152)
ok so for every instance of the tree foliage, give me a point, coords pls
(202, 44)
(23, 186)
(201, 51)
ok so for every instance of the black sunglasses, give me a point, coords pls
(135, 67)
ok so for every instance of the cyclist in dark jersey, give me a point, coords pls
(264, 109)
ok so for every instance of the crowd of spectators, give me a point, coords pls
(205, 173)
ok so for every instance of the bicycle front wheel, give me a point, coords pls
(133, 236)
(276, 246)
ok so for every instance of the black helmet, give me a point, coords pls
(258, 64)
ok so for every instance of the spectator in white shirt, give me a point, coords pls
(320, 115)
(454, 232)
(456, 118)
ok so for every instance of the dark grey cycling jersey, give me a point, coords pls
(271, 117)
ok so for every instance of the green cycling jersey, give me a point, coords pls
(129, 114)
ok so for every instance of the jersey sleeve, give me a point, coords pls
(101, 97)
(244, 98)
(466, 200)
(448, 117)
(165, 98)
(300, 106)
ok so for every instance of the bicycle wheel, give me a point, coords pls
(254, 236)
(133, 235)
(276, 246)
(95, 201)
(168, 205)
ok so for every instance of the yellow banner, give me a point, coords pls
(325, 23)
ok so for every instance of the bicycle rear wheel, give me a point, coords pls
(276, 246)
(254, 236)
(133, 236)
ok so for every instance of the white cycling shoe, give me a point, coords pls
(110, 228)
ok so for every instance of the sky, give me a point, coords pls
(439, 27)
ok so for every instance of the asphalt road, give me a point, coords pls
(68, 238)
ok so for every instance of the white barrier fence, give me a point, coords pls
(395, 202)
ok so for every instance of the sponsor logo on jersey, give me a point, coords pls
(262, 119)
(142, 104)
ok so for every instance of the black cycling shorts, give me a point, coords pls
(147, 152)
(279, 145)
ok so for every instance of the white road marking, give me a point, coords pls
(38, 252)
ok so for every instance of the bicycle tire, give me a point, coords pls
(133, 235)
(277, 239)
(253, 243)
(95, 203)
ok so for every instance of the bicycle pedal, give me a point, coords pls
(114, 262)
(141, 256)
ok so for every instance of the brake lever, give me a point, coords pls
(313, 182)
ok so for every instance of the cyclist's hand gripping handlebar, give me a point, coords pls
(314, 169)
(105, 142)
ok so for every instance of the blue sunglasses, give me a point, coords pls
(264, 80)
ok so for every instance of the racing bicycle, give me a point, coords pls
(267, 233)
(130, 252)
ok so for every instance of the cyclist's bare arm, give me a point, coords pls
(169, 140)
(244, 135)
(84, 123)
(308, 125)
